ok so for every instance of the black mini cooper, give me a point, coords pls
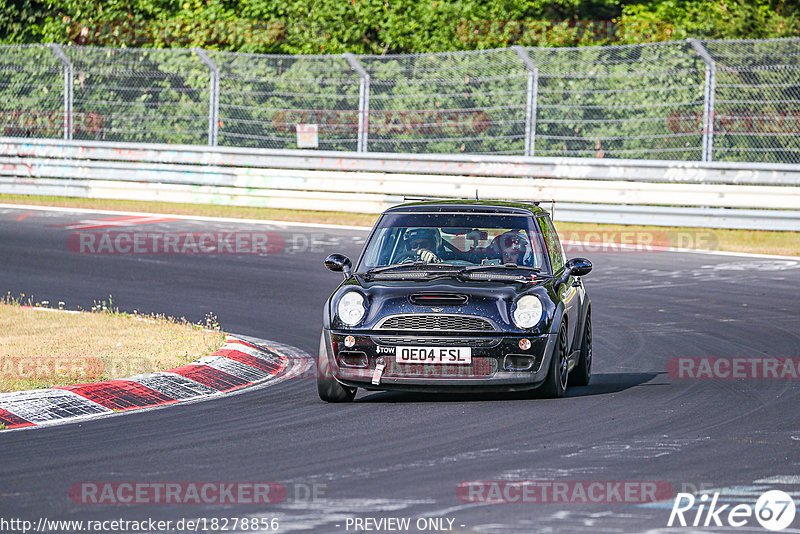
(457, 296)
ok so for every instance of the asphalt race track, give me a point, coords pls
(403, 455)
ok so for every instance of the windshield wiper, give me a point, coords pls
(510, 272)
(375, 270)
(414, 267)
(474, 268)
(418, 263)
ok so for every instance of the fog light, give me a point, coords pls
(519, 362)
(349, 341)
(353, 358)
(524, 344)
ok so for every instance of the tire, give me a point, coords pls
(329, 389)
(582, 373)
(556, 382)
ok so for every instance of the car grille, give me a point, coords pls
(436, 322)
(440, 341)
(480, 367)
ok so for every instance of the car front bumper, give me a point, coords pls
(498, 363)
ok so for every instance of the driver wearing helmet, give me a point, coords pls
(513, 246)
(422, 244)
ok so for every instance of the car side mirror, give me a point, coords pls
(339, 263)
(579, 266)
(574, 267)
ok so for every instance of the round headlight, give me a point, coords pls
(527, 311)
(351, 308)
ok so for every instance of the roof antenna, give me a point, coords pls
(553, 210)
(476, 194)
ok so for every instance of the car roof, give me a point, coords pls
(470, 206)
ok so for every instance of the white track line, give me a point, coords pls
(184, 217)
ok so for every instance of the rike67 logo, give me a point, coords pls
(774, 510)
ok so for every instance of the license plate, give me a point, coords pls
(447, 355)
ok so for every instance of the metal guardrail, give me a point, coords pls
(461, 164)
(724, 195)
(559, 189)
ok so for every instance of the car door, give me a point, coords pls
(567, 292)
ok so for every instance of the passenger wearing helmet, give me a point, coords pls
(422, 244)
(513, 247)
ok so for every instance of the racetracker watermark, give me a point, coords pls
(175, 32)
(48, 122)
(85, 368)
(139, 242)
(596, 241)
(48, 367)
(202, 493)
(725, 368)
(385, 122)
(176, 243)
(533, 32)
(564, 491)
(195, 524)
(774, 510)
(736, 122)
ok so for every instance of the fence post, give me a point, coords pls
(708, 98)
(363, 101)
(213, 97)
(67, 64)
(531, 99)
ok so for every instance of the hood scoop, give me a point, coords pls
(438, 299)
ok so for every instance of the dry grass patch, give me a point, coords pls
(43, 348)
(751, 241)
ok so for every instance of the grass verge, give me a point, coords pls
(42, 347)
(750, 241)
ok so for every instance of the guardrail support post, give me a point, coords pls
(213, 97)
(708, 98)
(68, 99)
(531, 99)
(363, 101)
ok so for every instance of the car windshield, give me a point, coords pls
(454, 239)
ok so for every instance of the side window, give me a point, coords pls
(554, 248)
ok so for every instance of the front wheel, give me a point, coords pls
(582, 373)
(329, 389)
(556, 382)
